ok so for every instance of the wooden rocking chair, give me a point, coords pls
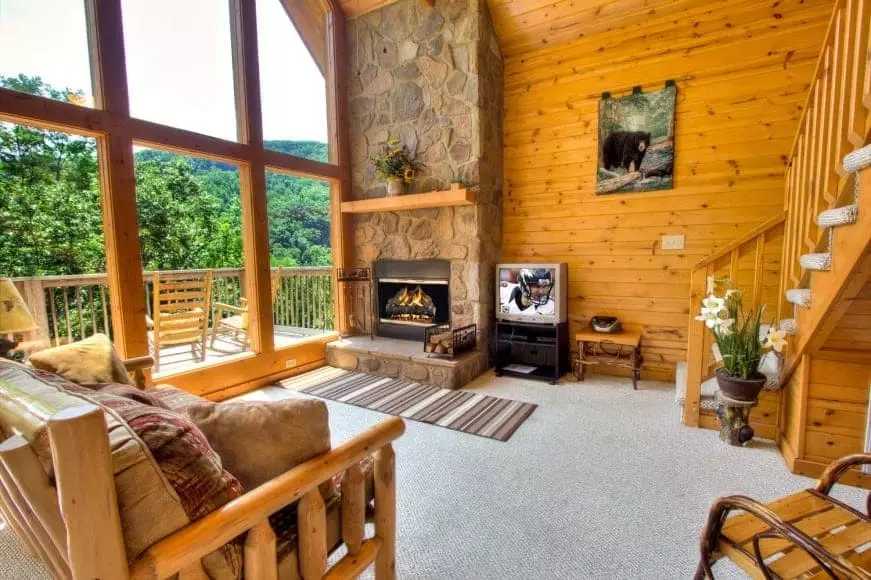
(237, 322)
(180, 312)
(805, 535)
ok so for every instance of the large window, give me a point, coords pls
(292, 87)
(44, 49)
(179, 193)
(179, 64)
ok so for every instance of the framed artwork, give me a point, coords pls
(636, 142)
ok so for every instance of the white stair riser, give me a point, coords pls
(799, 297)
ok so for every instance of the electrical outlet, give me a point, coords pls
(675, 242)
(290, 363)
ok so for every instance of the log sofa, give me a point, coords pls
(79, 485)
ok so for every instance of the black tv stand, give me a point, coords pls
(544, 346)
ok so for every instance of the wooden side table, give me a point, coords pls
(620, 349)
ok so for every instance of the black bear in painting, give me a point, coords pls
(625, 149)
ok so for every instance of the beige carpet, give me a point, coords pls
(599, 482)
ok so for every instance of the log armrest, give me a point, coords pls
(137, 367)
(837, 567)
(838, 468)
(184, 548)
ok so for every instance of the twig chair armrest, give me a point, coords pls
(186, 547)
(838, 468)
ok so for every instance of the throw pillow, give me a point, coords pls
(92, 360)
(259, 441)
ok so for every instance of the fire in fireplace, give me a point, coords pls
(413, 305)
(410, 296)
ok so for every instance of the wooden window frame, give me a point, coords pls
(115, 132)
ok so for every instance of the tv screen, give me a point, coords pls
(532, 292)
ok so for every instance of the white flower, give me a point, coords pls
(775, 339)
(710, 317)
(726, 326)
(733, 292)
(713, 303)
(712, 285)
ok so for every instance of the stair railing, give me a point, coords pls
(750, 263)
(834, 122)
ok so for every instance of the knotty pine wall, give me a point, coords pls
(742, 70)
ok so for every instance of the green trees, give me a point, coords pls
(189, 209)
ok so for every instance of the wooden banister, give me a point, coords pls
(724, 263)
(186, 546)
(771, 223)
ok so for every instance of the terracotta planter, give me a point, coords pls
(738, 388)
(395, 187)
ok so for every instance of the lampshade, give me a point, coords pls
(14, 315)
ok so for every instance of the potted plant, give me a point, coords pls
(737, 335)
(396, 166)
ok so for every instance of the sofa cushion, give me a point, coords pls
(92, 360)
(144, 396)
(175, 398)
(166, 475)
(258, 441)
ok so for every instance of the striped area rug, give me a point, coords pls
(464, 411)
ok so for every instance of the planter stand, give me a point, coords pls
(734, 417)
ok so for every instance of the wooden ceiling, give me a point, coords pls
(524, 25)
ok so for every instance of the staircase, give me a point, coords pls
(823, 234)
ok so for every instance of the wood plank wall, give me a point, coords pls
(742, 70)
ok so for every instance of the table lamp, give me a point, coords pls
(14, 316)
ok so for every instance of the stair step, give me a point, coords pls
(799, 297)
(839, 216)
(858, 159)
(787, 325)
(821, 261)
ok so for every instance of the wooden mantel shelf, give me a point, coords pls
(411, 201)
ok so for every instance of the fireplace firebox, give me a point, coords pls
(410, 296)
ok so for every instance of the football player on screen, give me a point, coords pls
(533, 290)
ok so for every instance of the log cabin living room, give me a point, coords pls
(435, 289)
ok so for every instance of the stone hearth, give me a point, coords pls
(431, 77)
(404, 359)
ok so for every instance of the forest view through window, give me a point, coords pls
(195, 199)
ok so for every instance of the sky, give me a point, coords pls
(179, 65)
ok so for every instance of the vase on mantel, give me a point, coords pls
(395, 187)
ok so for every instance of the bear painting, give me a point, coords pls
(636, 142)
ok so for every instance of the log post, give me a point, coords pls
(31, 480)
(312, 524)
(261, 561)
(86, 492)
(353, 508)
(385, 512)
(34, 297)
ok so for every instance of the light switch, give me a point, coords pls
(675, 242)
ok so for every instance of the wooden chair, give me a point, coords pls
(805, 535)
(237, 322)
(180, 312)
(71, 521)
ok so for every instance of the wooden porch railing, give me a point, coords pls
(751, 264)
(70, 308)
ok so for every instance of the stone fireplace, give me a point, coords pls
(431, 77)
(411, 295)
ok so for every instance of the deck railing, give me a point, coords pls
(70, 308)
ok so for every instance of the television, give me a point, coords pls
(534, 293)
